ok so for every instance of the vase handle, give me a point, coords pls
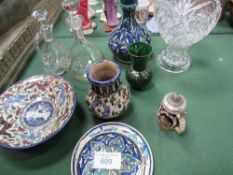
(182, 125)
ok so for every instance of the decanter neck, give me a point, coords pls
(46, 31)
(79, 36)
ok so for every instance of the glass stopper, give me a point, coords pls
(76, 22)
(40, 15)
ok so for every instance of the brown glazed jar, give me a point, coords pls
(171, 112)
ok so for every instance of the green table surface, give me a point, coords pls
(206, 147)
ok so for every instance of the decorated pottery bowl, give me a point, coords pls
(112, 148)
(33, 110)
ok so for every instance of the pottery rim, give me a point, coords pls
(141, 56)
(103, 72)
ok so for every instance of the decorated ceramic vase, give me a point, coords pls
(127, 33)
(171, 113)
(142, 11)
(108, 97)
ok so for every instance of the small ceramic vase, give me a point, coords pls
(171, 113)
(110, 10)
(108, 97)
(139, 75)
(142, 11)
(128, 33)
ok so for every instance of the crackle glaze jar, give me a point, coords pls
(129, 32)
(171, 112)
(108, 97)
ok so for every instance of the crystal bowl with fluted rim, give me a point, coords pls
(182, 23)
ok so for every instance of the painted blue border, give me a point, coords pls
(57, 131)
(114, 124)
(106, 82)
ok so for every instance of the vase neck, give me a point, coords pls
(129, 14)
(106, 90)
(139, 63)
(128, 9)
(79, 37)
(46, 31)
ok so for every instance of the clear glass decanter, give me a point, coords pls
(54, 55)
(83, 53)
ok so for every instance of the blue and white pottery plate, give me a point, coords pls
(34, 110)
(112, 137)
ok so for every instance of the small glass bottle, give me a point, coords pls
(139, 74)
(82, 53)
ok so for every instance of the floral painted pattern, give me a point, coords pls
(136, 156)
(110, 142)
(107, 107)
(33, 110)
(128, 33)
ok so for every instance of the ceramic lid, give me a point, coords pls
(174, 101)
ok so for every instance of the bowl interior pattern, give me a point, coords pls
(33, 110)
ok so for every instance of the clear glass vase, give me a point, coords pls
(174, 59)
(82, 53)
(181, 24)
